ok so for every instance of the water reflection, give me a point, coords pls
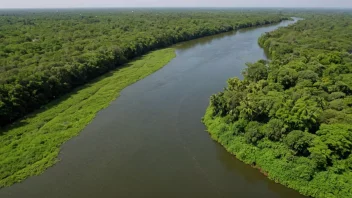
(203, 41)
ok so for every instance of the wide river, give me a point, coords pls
(150, 142)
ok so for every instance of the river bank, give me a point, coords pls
(149, 142)
(40, 129)
(290, 117)
(45, 131)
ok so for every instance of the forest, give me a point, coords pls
(65, 66)
(291, 117)
(45, 54)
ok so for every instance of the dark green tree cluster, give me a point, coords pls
(293, 116)
(45, 54)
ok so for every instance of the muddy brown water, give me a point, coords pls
(150, 142)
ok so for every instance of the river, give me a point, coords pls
(150, 142)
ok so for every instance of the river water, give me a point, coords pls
(150, 142)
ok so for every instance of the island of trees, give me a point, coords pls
(292, 117)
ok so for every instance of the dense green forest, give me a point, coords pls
(292, 117)
(44, 55)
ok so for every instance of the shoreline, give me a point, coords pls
(32, 124)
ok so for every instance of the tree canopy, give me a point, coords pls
(43, 55)
(295, 112)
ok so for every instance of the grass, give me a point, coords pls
(31, 145)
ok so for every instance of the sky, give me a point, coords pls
(173, 3)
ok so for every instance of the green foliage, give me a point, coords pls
(320, 153)
(296, 110)
(299, 142)
(45, 54)
(287, 77)
(338, 137)
(336, 95)
(349, 162)
(275, 129)
(253, 132)
(256, 72)
(338, 105)
(308, 75)
(304, 113)
(31, 145)
(328, 58)
(240, 126)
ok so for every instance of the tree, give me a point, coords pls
(256, 72)
(307, 92)
(275, 129)
(253, 132)
(308, 75)
(299, 141)
(287, 77)
(302, 114)
(240, 126)
(338, 137)
(320, 153)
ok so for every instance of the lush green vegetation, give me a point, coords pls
(292, 117)
(31, 145)
(44, 55)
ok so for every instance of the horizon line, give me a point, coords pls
(158, 7)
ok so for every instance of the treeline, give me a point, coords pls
(292, 117)
(44, 55)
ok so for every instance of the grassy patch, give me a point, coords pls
(32, 144)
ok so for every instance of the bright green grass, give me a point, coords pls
(31, 145)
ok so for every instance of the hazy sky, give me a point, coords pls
(172, 3)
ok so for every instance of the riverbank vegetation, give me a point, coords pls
(47, 58)
(292, 117)
(45, 54)
(31, 145)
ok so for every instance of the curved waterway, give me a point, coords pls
(150, 142)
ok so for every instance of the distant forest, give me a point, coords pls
(291, 117)
(44, 55)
